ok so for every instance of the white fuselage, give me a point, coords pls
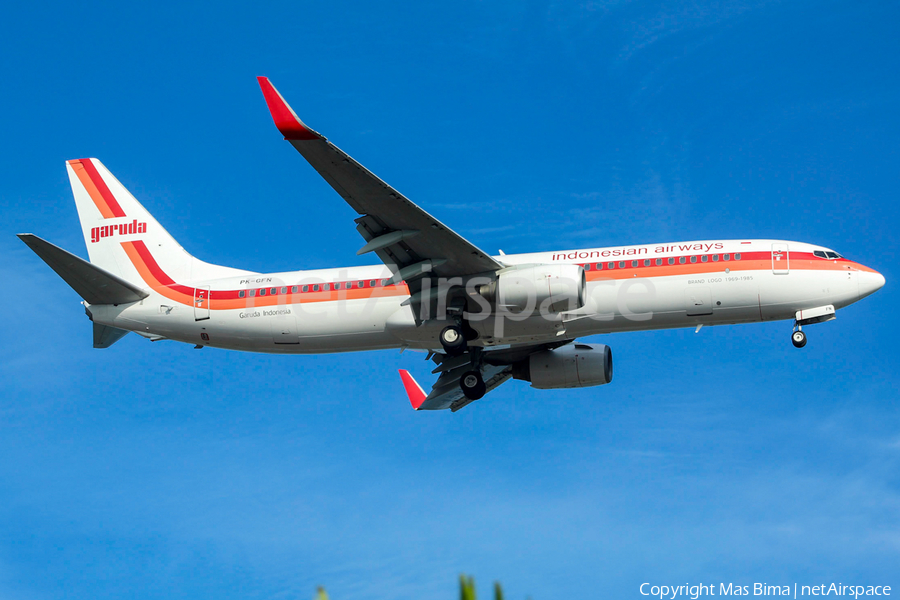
(630, 288)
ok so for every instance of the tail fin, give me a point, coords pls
(123, 238)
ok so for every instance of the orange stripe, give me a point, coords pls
(108, 198)
(402, 290)
(150, 280)
(92, 190)
(713, 267)
(256, 301)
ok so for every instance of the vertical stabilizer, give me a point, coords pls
(123, 238)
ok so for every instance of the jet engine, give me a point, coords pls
(551, 288)
(575, 365)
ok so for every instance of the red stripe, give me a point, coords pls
(748, 258)
(157, 272)
(764, 255)
(110, 200)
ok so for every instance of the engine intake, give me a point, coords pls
(551, 288)
(572, 366)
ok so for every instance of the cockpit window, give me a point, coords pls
(820, 254)
(832, 255)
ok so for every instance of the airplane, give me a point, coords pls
(482, 319)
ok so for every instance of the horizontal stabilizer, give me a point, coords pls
(105, 336)
(91, 282)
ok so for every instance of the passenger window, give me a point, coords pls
(647, 262)
(715, 258)
(737, 257)
(671, 260)
(599, 266)
(252, 293)
(693, 259)
(634, 264)
(284, 290)
(372, 283)
(262, 292)
(305, 288)
(587, 267)
(681, 260)
(658, 261)
(294, 289)
(316, 288)
(727, 257)
(622, 264)
(704, 258)
(241, 294)
(611, 265)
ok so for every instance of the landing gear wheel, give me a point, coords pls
(453, 340)
(472, 385)
(798, 338)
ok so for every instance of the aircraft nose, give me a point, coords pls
(869, 282)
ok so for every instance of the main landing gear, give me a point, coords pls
(472, 384)
(798, 338)
(455, 341)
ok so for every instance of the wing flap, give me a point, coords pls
(446, 392)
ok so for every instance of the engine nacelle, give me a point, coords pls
(575, 365)
(550, 288)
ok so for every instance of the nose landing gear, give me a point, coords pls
(809, 316)
(798, 338)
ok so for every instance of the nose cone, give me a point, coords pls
(869, 282)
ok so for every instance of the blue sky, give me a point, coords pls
(157, 471)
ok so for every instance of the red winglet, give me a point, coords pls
(413, 390)
(286, 120)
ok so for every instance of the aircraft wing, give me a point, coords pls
(496, 369)
(407, 239)
(446, 392)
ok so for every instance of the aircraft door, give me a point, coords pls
(781, 260)
(201, 303)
